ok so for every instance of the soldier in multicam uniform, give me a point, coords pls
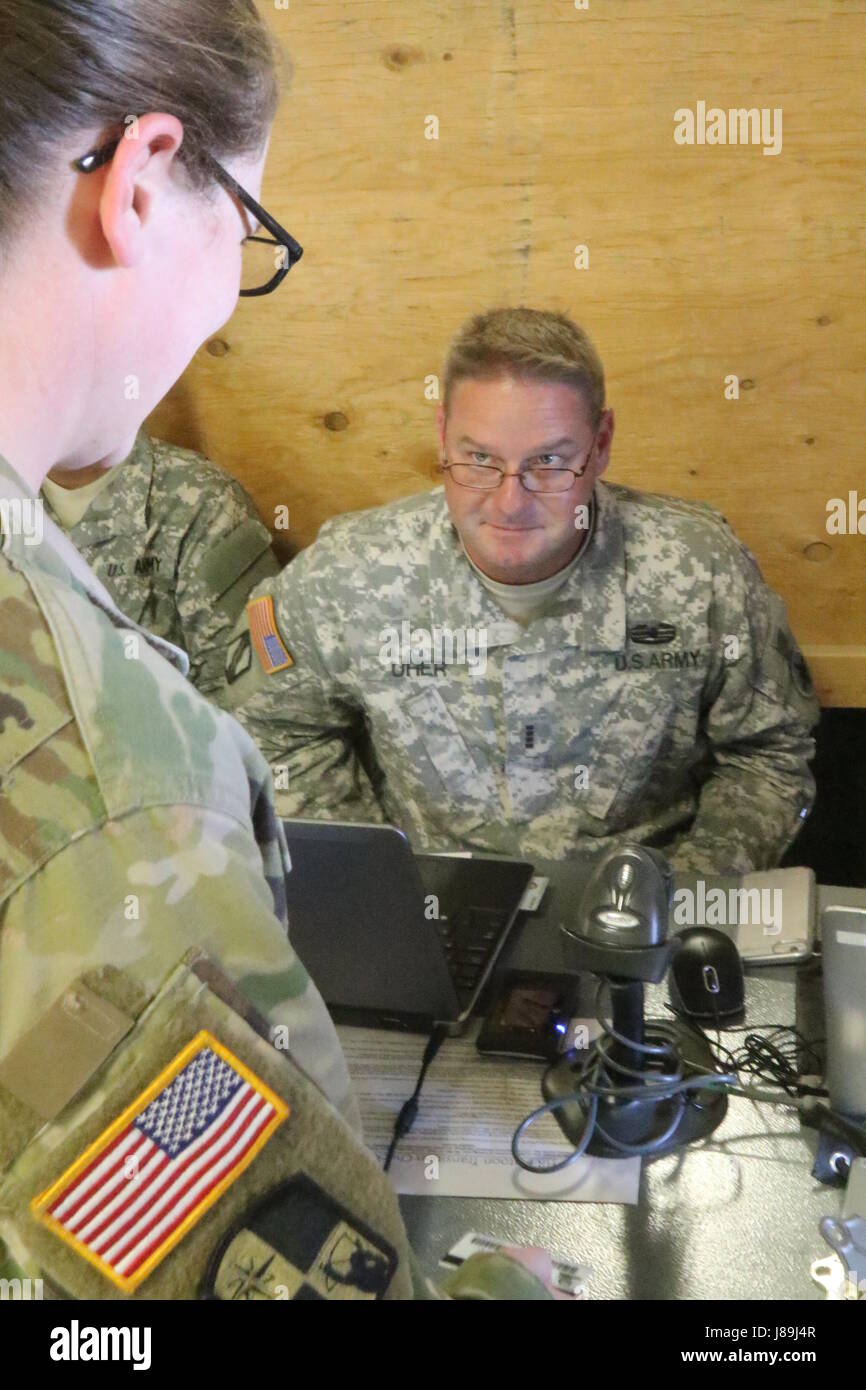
(175, 1111)
(177, 543)
(540, 665)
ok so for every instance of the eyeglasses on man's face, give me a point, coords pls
(538, 477)
(267, 260)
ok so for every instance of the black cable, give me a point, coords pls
(780, 1058)
(813, 1113)
(597, 1080)
(409, 1111)
(828, 1121)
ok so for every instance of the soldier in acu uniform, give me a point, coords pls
(175, 1112)
(540, 662)
(177, 543)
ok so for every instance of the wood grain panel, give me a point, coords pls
(556, 128)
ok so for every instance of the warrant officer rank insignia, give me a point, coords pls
(300, 1244)
(270, 648)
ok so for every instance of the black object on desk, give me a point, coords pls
(395, 940)
(530, 1017)
(706, 977)
(650, 1086)
(736, 1217)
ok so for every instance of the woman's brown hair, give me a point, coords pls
(82, 65)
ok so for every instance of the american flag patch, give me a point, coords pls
(148, 1178)
(271, 651)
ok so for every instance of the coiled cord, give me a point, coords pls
(598, 1080)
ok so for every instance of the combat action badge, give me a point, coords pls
(298, 1243)
(270, 648)
(148, 1179)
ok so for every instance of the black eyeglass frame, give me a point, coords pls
(447, 467)
(293, 250)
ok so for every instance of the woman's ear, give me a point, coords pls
(139, 171)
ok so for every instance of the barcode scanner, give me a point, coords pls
(645, 1086)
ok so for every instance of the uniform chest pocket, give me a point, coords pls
(442, 758)
(623, 750)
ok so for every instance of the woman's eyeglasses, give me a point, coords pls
(267, 260)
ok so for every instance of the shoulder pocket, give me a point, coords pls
(192, 1122)
(244, 554)
(780, 671)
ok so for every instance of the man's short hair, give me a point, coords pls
(526, 343)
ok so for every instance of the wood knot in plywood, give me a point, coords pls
(400, 56)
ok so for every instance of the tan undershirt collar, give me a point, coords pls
(70, 504)
(523, 602)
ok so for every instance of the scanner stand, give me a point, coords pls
(640, 1121)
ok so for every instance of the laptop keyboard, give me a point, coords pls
(469, 938)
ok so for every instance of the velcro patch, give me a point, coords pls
(270, 648)
(148, 1179)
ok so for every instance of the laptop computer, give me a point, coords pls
(393, 939)
(843, 951)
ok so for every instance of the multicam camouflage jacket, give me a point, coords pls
(176, 1119)
(661, 698)
(179, 545)
(136, 820)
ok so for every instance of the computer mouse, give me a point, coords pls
(706, 975)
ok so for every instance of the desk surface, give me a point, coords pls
(735, 1216)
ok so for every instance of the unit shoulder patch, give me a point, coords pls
(299, 1243)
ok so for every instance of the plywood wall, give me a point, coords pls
(556, 129)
